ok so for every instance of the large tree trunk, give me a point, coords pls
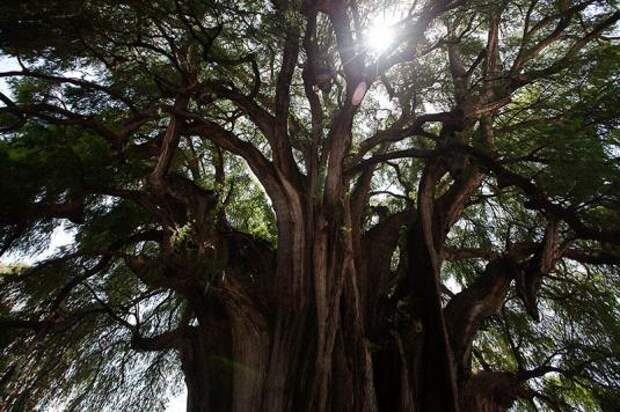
(334, 352)
(334, 327)
(208, 376)
(325, 333)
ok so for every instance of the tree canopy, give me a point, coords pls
(283, 213)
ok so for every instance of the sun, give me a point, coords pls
(379, 37)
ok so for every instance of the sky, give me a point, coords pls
(6, 64)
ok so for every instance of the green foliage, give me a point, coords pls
(83, 150)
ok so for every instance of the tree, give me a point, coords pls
(289, 219)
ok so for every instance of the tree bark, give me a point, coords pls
(341, 343)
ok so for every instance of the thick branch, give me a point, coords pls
(166, 341)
